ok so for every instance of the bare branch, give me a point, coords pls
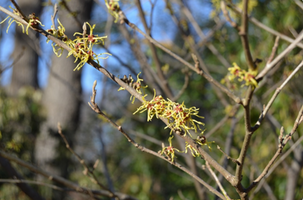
(278, 90)
(54, 15)
(226, 15)
(91, 175)
(164, 84)
(244, 37)
(266, 28)
(274, 50)
(279, 57)
(217, 181)
(61, 180)
(281, 159)
(283, 141)
(207, 77)
(95, 107)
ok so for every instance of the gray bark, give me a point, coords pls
(25, 51)
(62, 98)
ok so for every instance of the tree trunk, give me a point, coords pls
(62, 98)
(25, 52)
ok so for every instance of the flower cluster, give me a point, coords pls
(32, 21)
(113, 8)
(136, 85)
(178, 115)
(81, 47)
(169, 151)
(60, 34)
(242, 75)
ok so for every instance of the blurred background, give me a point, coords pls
(38, 90)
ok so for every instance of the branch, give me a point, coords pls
(278, 90)
(276, 164)
(217, 181)
(283, 141)
(279, 57)
(266, 28)
(96, 108)
(133, 92)
(244, 38)
(82, 162)
(61, 180)
(164, 84)
(274, 50)
(207, 77)
(16, 181)
(23, 186)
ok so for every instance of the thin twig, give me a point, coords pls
(227, 156)
(279, 57)
(19, 10)
(282, 143)
(35, 183)
(164, 84)
(281, 159)
(266, 28)
(207, 77)
(186, 81)
(54, 15)
(278, 90)
(227, 17)
(217, 181)
(18, 57)
(82, 162)
(133, 92)
(96, 108)
(274, 50)
(210, 46)
(61, 180)
(244, 37)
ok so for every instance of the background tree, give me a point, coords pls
(205, 54)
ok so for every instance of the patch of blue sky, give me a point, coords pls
(163, 33)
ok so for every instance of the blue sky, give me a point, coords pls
(89, 73)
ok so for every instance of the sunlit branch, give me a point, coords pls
(207, 77)
(278, 90)
(217, 181)
(264, 27)
(283, 140)
(96, 108)
(244, 37)
(164, 84)
(280, 56)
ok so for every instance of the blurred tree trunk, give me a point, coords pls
(62, 97)
(26, 51)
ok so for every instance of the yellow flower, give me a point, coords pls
(169, 151)
(235, 71)
(242, 75)
(193, 150)
(11, 20)
(33, 21)
(178, 115)
(113, 8)
(249, 78)
(136, 85)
